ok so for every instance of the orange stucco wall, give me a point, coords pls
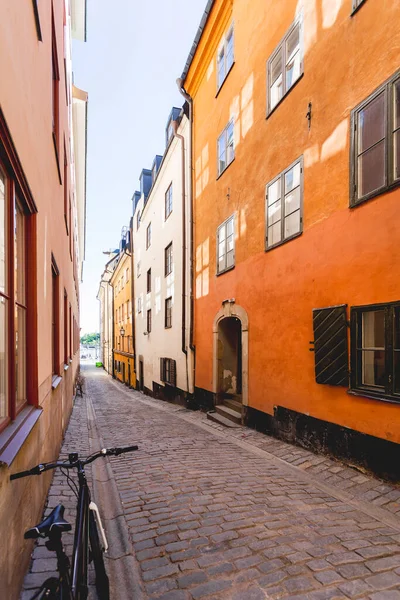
(343, 255)
(25, 100)
(123, 345)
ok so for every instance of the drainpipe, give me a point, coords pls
(189, 100)
(184, 349)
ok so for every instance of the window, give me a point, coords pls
(66, 198)
(170, 132)
(65, 327)
(225, 58)
(148, 321)
(375, 350)
(149, 281)
(70, 332)
(127, 274)
(168, 202)
(139, 304)
(138, 269)
(284, 205)
(285, 66)
(357, 4)
(168, 260)
(122, 282)
(128, 310)
(55, 91)
(168, 312)
(37, 19)
(375, 152)
(138, 215)
(55, 318)
(226, 148)
(168, 371)
(226, 245)
(123, 312)
(148, 236)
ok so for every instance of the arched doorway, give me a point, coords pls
(230, 355)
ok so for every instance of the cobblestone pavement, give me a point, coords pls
(234, 514)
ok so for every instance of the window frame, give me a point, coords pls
(224, 133)
(167, 250)
(148, 286)
(224, 224)
(168, 202)
(223, 47)
(387, 88)
(356, 5)
(148, 322)
(281, 46)
(138, 219)
(168, 313)
(281, 176)
(148, 236)
(139, 304)
(55, 298)
(356, 387)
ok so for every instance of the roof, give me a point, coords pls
(203, 23)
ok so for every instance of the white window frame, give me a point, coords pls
(281, 177)
(139, 304)
(222, 56)
(223, 228)
(281, 48)
(225, 139)
(168, 201)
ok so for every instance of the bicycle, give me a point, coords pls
(72, 583)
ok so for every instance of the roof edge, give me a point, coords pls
(197, 39)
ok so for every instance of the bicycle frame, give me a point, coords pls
(81, 540)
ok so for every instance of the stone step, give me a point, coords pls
(214, 416)
(229, 413)
(233, 404)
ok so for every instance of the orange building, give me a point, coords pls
(296, 163)
(42, 230)
(121, 282)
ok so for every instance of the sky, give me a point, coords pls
(135, 51)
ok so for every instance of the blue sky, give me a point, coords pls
(134, 53)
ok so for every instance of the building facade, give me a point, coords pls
(123, 340)
(295, 171)
(105, 296)
(161, 236)
(42, 157)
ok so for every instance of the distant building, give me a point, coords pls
(105, 295)
(161, 234)
(42, 242)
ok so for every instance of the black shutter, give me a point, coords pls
(173, 372)
(330, 345)
(162, 375)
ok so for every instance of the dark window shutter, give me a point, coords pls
(173, 373)
(162, 377)
(330, 345)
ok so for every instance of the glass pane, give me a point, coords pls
(274, 213)
(20, 356)
(2, 233)
(274, 234)
(396, 100)
(221, 233)
(373, 329)
(276, 79)
(292, 201)
(19, 254)
(397, 372)
(229, 243)
(371, 170)
(221, 248)
(229, 227)
(292, 224)
(276, 92)
(292, 178)
(274, 192)
(229, 51)
(293, 70)
(230, 259)
(397, 328)
(373, 367)
(276, 67)
(396, 154)
(221, 263)
(371, 123)
(293, 43)
(3, 359)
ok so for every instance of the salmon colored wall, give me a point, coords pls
(344, 255)
(120, 299)
(25, 100)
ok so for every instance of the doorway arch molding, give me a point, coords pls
(231, 309)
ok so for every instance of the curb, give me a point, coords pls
(122, 567)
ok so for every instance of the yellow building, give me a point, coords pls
(121, 282)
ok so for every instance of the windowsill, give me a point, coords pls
(374, 194)
(66, 367)
(227, 167)
(357, 8)
(225, 270)
(292, 237)
(270, 112)
(14, 436)
(168, 327)
(57, 379)
(70, 360)
(372, 396)
(224, 79)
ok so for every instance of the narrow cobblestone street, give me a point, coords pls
(233, 514)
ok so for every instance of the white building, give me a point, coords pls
(162, 269)
(105, 296)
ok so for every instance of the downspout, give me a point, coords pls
(184, 349)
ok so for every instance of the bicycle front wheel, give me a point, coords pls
(102, 582)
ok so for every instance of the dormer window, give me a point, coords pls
(170, 132)
(225, 57)
(138, 219)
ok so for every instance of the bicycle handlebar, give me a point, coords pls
(39, 469)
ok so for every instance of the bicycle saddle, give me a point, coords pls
(55, 520)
